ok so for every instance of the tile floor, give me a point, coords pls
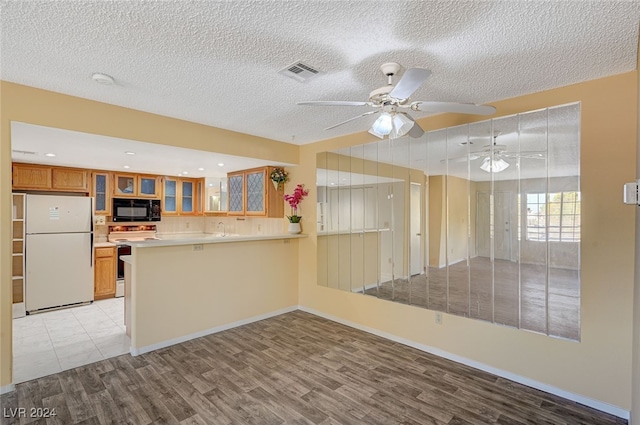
(54, 341)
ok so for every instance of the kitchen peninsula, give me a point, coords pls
(180, 289)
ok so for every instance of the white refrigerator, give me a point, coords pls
(58, 251)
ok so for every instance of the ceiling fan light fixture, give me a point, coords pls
(372, 131)
(401, 126)
(492, 165)
(383, 125)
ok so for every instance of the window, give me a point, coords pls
(554, 217)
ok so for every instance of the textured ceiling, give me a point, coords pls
(217, 62)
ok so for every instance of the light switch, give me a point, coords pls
(99, 220)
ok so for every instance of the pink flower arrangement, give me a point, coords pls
(294, 200)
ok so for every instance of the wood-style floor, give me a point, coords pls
(504, 292)
(295, 368)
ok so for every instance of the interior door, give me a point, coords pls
(502, 225)
(415, 229)
(493, 229)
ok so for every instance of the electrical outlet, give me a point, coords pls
(287, 241)
(438, 318)
(198, 247)
(187, 224)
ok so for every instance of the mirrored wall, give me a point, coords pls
(480, 220)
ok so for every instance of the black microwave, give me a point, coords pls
(128, 209)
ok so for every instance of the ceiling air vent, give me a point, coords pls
(299, 72)
(23, 152)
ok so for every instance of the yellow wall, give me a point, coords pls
(599, 367)
(437, 221)
(635, 413)
(178, 291)
(35, 106)
(458, 197)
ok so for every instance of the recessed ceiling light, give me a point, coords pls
(130, 153)
(220, 164)
(50, 155)
(200, 169)
(126, 166)
(103, 79)
(185, 172)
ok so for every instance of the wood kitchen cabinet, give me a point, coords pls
(69, 179)
(43, 177)
(30, 176)
(101, 191)
(148, 186)
(104, 273)
(136, 185)
(180, 196)
(251, 193)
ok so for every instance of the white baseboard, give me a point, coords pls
(7, 389)
(170, 342)
(596, 404)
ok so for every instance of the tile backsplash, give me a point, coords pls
(186, 225)
(246, 225)
(171, 225)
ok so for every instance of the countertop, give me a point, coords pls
(103, 244)
(211, 239)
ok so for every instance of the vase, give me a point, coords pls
(294, 228)
(275, 184)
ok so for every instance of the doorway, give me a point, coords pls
(493, 229)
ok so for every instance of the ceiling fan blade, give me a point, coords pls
(409, 83)
(333, 103)
(351, 119)
(456, 159)
(416, 131)
(465, 158)
(528, 155)
(460, 108)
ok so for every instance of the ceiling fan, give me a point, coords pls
(391, 100)
(494, 156)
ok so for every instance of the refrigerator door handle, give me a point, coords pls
(91, 253)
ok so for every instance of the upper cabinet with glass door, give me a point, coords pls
(133, 185)
(181, 196)
(252, 193)
(101, 191)
(148, 186)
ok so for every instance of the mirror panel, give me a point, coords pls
(215, 196)
(563, 218)
(436, 171)
(480, 220)
(533, 251)
(458, 195)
